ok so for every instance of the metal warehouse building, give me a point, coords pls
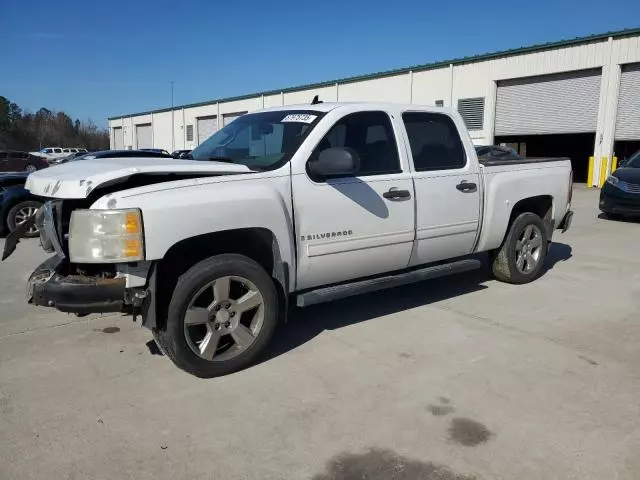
(575, 98)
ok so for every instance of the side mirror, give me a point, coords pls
(336, 161)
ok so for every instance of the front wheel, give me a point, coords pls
(30, 168)
(521, 257)
(221, 316)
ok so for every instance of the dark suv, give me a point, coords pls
(15, 161)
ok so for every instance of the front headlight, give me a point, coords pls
(106, 236)
(612, 180)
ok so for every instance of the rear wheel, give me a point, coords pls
(30, 168)
(221, 316)
(521, 257)
(20, 213)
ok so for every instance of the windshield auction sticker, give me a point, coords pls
(299, 117)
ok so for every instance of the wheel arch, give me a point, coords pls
(500, 214)
(541, 205)
(257, 243)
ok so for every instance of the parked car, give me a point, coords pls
(56, 161)
(115, 154)
(57, 152)
(155, 150)
(15, 161)
(496, 152)
(620, 194)
(180, 153)
(16, 203)
(292, 205)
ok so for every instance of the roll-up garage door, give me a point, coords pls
(206, 127)
(227, 118)
(628, 119)
(118, 139)
(548, 104)
(144, 136)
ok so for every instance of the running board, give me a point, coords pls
(336, 292)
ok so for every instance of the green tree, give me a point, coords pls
(22, 130)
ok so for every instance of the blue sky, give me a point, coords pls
(95, 59)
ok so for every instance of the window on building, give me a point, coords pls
(370, 134)
(472, 111)
(435, 141)
(189, 133)
(439, 103)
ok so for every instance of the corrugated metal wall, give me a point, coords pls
(559, 103)
(628, 120)
(206, 127)
(144, 136)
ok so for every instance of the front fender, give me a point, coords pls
(176, 211)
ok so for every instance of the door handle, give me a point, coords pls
(395, 194)
(467, 187)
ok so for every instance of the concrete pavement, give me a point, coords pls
(452, 379)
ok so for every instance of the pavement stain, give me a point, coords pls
(468, 433)
(443, 409)
(440, 410)
(107, 330)
(588, 360)
(384, 464)
(6, 406)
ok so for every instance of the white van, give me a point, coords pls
(57, 152)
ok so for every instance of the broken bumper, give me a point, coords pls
(566, 221)
(48, 287)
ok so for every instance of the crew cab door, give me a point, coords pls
(359, 225)
(447, 187)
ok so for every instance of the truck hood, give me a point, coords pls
(79, 179)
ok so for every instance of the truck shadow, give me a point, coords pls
(306, 323)
(559, 252)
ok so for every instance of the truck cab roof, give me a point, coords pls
(329, 106)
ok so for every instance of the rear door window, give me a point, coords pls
(435, 141)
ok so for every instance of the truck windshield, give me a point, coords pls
(261, 141)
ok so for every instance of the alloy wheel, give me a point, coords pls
(23, 214)
(224, 318)
(528, 249)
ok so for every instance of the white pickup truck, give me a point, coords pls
(290, 205)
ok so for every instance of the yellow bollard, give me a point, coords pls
(590, 174)
(614, 164)
(603, 170)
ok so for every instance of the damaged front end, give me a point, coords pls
(52, 285)
(75, 287)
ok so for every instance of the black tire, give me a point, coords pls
(612, 216)
(504, 259)
(30, 168)
(171, 338)
(12, 221)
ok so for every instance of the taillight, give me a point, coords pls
(570, 186)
